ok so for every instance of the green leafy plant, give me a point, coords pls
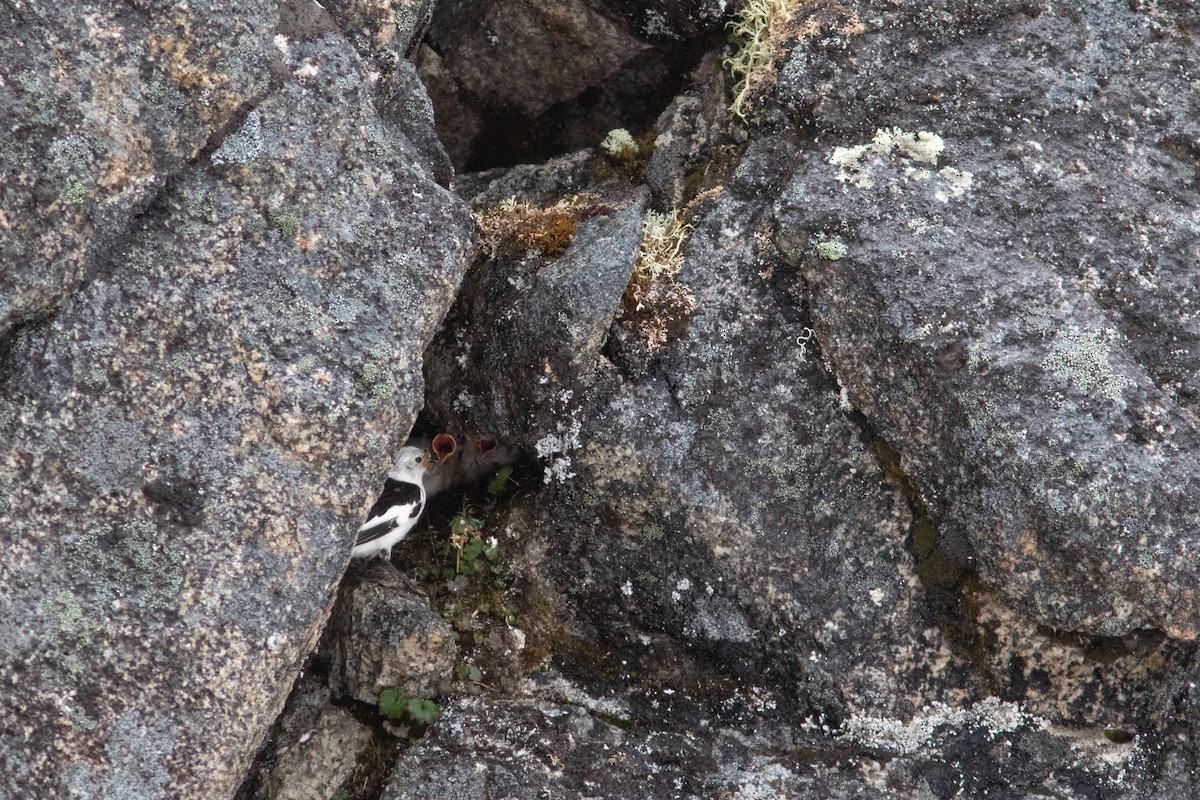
(499, 481)
(468, 672)
(399, 707)
(469, 546)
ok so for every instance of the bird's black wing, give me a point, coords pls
(395, 494)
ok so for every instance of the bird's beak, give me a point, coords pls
(486, 446)
(444, 446)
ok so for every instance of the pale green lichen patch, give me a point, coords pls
(71, 631)
(618, 141)
(8, 413)
(831, 249)
(1081, 358)
(72, 160)
(243, 145)
(760, 30)
(131, 563)
(70, 625)
(285, 218)
(377, 381)
(909, 149)
(992, 716)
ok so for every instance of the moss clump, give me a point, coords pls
(512, 229)
(656, 305)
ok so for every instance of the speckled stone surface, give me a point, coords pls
(378, 637)
(918, 480)
(315, 747)
(104, 102)
(1002, 255)
(525, 333)
(188, 444)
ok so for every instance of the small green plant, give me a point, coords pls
(399, 707)
(499, 481)
(464, 538)
(468, 672)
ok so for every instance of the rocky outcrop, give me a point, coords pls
(379, 638)
(859, 418)
(517, 80)
(1007, 301)
(188, 443)
(315, 747)
(913, 481)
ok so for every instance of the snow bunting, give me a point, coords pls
(398, 508)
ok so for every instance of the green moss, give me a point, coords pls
(306, 364)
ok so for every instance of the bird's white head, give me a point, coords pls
(411, 463)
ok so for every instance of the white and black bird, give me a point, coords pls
(398, 507)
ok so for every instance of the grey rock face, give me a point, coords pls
(723, 498)
(379, 638)
(914, 484)
(564, 745)
(102, 104)
(1005, 293)
(498, 51)
(524, 339)
(519, 80)
(316, 746)
(189, 443)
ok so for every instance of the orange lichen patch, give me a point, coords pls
(512, 229)
(192, 75)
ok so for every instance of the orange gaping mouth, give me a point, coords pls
(444, 446)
